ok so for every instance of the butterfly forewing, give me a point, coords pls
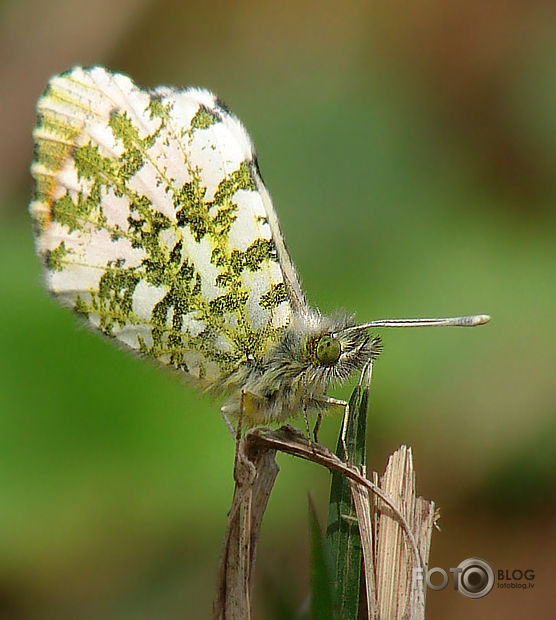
(153, 224)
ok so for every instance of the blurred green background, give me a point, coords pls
(410, 149)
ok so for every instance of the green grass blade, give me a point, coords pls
(343, 543)
(322, 595)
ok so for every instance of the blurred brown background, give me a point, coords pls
(410, 149)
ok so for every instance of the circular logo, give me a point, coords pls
(476, 578)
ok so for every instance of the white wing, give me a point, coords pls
(153, 223)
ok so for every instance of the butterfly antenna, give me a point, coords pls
(455, 321)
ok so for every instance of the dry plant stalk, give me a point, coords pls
(398, 594)
(255, 472)
(395, 528)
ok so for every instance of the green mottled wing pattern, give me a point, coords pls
(153, 223)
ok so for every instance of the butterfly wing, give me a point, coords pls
(151, 219)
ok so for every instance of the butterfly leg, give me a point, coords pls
(316, 428)
(308, 428)
(228, 424)
(240, 424)
(344, 428)
(331, 402)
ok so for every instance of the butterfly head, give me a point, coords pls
(335, 347)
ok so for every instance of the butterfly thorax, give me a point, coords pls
(310, 355)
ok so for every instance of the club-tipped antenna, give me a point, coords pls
(455, 321)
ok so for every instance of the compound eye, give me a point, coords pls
(328, 350)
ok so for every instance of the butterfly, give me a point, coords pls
(153, 224)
